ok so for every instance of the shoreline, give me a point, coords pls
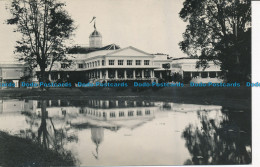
(230, 97)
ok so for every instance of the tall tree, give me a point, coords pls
(45, 26)
(219, 31)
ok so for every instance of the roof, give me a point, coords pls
(82, 50)
(93, 54)
(12, 64)
(104, 52)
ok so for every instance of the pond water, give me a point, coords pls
(97, 132)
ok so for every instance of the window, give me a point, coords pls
(95, 63)
(111, 62)
(147, 112)
(80, 65)
(130, 113)
(120, 62)
(112, 114)
(81, 111)
(129, 62)
(98, 63)
(139, 113)
(121, 114)
(146, 62)
(103, 62)
(138, 62)
(63, 65)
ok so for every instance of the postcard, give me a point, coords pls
(126, 83)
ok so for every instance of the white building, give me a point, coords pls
(11, 72)
(109, 63)
(114, 64)
(186, 67)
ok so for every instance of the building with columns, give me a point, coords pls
(160, 60)
(111, 63)
(105, 64)
(186, 67)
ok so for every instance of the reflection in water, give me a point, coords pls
(173, 133)
(97, 136)
(224, 140)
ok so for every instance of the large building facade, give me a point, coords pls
(111, 63)
(106, 64)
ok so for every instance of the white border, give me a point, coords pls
(256, 78)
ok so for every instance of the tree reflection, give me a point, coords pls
(49, 137)
(222, 140)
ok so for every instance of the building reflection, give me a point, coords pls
(63, 119)
(109, 114)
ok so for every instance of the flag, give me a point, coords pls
(94, 17)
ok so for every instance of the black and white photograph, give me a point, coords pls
(126, 83)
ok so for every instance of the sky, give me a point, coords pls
(153, 26)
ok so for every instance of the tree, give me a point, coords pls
(45, 26)
(219, 31)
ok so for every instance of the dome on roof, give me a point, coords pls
(95, 39)
(95, 33)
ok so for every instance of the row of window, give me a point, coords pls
(110, 62)
(128, 62)
(113, 114)
(130, 113)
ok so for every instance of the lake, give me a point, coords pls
(95, 132)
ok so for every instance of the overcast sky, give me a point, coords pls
(153, 26)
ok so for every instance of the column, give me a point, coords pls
(106, 74)
(216, 74)
(116, 76)
(142, 73)
(208, 74)
(116, 103)
(107, 104)
(100, 74)
(143, 103)
(125, 74)
(58, 75)
(191, 74)
(50, 77)
(58, 102)
(50, 103)
(160, 74)
(133, 74)
(151, 74)
(200, 74)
